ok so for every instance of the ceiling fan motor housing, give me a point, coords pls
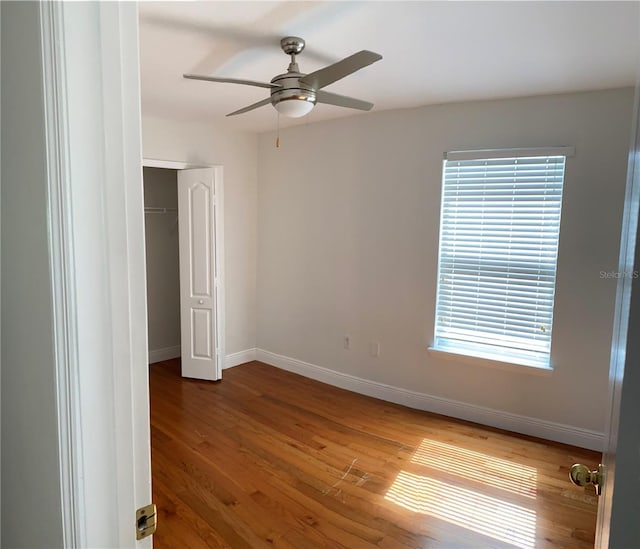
(291, 89)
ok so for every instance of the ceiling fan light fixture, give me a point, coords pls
(295, 107)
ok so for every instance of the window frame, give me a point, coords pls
(478, 356)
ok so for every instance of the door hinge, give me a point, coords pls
(146, 521)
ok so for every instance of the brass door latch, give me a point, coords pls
(146, 521)
(580, 475)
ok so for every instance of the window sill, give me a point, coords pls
(473, 360)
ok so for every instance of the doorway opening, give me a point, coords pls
(183, 232)
(185, 276)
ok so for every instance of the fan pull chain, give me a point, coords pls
(278, 132)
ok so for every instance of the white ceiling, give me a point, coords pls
(433, 52)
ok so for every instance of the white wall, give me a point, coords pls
(31, 493)
(201, 143)
(348, 220)
(163, 263)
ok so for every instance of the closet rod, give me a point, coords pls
(151, 209)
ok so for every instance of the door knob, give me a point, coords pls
(581, 475)
(200, 301)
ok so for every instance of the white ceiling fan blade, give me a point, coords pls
(230, 80)
(342, 101)
(251, 107)
(349, 65)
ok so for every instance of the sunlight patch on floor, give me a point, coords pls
(468, 509)
(489, 470)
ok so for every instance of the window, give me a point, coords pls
(499, 229)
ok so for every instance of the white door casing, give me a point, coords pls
(199, 283)
(90, 58)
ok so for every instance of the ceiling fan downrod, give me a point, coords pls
(292, 45)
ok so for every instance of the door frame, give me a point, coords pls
(92, 119)
(218, 175)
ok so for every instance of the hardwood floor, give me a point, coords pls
(267, 458)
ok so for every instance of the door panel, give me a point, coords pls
(619, 506)
(200, 330)
(199, 241)
(196, 214)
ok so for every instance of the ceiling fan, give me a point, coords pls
(293, 93)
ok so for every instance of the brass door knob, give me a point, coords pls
(581, 475)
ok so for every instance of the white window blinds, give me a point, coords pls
(499, 231)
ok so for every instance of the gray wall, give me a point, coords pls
(162, 253)
(348, 225)
(31, 504)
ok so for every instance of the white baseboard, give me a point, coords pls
(166, 353)
(231, 360)
(548, 430)
(234, 359)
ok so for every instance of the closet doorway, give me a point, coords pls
(183, 207)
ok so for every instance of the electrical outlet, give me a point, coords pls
(346, 342)
(374, 348)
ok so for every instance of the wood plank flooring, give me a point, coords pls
(267, 458)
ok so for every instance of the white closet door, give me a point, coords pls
(198, 284)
